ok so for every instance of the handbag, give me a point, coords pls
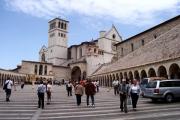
(129, 101)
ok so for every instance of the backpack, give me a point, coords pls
(5, 86)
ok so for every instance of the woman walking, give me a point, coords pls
(134, 92)
(79, 90)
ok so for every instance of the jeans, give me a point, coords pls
(8, 94)
(41, 100)
(78, 99)
(134, 97)
(92, 99)
(123, 102)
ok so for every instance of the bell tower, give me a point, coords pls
(57, 41)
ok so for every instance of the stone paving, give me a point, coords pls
(23, 106)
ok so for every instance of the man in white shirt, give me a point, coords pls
(115, 84)
(8, 88)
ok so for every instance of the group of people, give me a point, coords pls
(129, 92)
(87, 86)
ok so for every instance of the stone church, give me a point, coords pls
(153, 52)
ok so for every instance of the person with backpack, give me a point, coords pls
(79, 91)
(40, 91)
(8, 87)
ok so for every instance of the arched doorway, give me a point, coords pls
(130, 76)
(76, 74)
(136, 75)
(151, 72)
(174, 71)
(162, 72)
(143, 74)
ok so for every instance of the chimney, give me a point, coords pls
(102, 33)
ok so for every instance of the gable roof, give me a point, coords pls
(113, 27)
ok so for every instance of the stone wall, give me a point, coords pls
(145, 36)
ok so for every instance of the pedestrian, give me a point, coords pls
(69, 89)
(79, 90)
(115, 84)
(134, 93)
(123, 90)
(40, 91)
(97, 86)
(49, 91)
(90, 91)
(8, 88)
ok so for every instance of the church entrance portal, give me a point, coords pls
(76, 74)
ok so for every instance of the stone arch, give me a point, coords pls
(117, 76)
(136, 75)
(114, 77)
(174, 71)
(130, 76)
(111, 79)
(143, 74)
(151, 72)
(108, 78)
(162, 72)
(76, 73)
(121, 76)
(125, 75)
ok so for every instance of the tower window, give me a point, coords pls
(59, 34)
(62, 25)
(94, 50)
(59, 25)
(65, 26)
(80, 52)
(52, 25)
(132, 47)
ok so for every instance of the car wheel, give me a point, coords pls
(169, 98)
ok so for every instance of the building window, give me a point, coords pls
(40, 69)
(155, 36)
(59, 25)
(52, 35)
(62, 25)
(45, 70)
(52, 25)
(95, 50)
(132, 47)
(35, 69)
(113, 36)
(59, 34)
(142, 42)
(122, 50)
(80, 52)
(65, 26)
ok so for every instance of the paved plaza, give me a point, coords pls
(23, 106)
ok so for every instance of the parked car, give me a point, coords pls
(167, 90)
(145, 81)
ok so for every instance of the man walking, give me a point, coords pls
(90, 91)
(8, 87)
(115, 84)
(41, 90)
(123, 90)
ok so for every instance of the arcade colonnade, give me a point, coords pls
(15, 77)
(169, 69)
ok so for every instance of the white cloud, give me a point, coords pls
(125, 11)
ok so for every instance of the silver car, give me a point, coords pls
(163, 89)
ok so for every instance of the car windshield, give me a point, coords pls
(152, 84)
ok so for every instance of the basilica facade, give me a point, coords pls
(154, 52)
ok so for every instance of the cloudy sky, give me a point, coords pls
(24, 23)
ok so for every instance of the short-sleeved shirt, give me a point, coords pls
(10, 83)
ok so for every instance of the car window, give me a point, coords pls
(176, 83)
(152, 84)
